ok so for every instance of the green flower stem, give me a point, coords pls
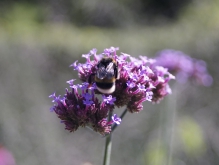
(108, 145)
(172, 106)
(168, 117)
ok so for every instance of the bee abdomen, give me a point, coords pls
(105, 85)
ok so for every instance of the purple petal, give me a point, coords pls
(141, 87)
(87, 96)
(52, 109)
(116, 119)
(88, 102)
(93, 51)
(52, 95)
(70, 82)
(130, 84)
(75, 65)
(109, 99)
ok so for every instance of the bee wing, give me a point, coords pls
(110, 70)
(101, 72)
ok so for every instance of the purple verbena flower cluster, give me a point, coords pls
(139, 80)
(80, 107)
(184, 67)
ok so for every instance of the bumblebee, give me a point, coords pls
(106, 75)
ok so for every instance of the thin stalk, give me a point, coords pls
(108, 146)
(171, 104)
(167, 122)
(108, 143)
(170, 118)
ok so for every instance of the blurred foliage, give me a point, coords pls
(192, 138)
(38, 42)
(155, 154)
(115, 13)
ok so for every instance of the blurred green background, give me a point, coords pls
(40, 39)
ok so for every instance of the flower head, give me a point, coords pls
(184, 66)
(138, 81)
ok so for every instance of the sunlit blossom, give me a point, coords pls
(138, 81)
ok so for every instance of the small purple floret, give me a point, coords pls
(116, 119)
(88, 102)
(71, 82)
(130, 84)
(109, 99)
(141, 87)
(93, 51)
(74, 65)
(52, 95)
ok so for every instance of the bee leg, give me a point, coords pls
(117, 75)
(91, 79)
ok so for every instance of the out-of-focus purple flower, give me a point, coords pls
(139, 80)
(184, 67)
(6, 158)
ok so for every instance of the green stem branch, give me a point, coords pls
(108, 143)
(108, 146)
